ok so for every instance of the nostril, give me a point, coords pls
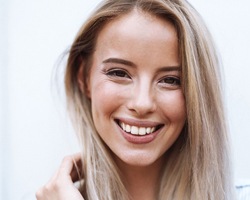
(142, 106)
(142, 99)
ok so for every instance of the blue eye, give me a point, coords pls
(118, 73)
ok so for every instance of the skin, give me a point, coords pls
(61, 186)
(135, 79)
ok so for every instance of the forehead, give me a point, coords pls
(139, 34)
(141, 22)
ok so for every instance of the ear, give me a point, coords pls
(83, 84)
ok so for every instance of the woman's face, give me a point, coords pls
(138, 105)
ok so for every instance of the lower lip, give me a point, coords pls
(139, 139)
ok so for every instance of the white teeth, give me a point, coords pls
(142, 131)
(123, 126)
(128, 128)
(153, 129)
(134, 130)
(148, 130)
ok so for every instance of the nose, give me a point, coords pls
(142, 100)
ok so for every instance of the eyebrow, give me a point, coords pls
(119, 61)
(170, 68)
(129, 63)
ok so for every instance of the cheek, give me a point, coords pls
(106, 98)
(173, 106)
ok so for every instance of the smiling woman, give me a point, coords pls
(143, 90)
(137, 78)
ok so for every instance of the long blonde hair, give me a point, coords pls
(197, 164)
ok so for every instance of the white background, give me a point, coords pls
(34, 130)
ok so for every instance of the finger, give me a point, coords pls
(69, 167)
(76, 159)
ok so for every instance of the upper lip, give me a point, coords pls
(138, 123)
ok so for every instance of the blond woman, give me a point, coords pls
(144, 93)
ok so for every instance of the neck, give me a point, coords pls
(142, 182)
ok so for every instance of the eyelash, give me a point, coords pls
(173, 81)
(117, 73)
(164, 82)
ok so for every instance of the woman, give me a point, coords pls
(144, 93)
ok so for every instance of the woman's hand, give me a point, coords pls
(61, 186)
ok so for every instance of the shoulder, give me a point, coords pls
(243, 189)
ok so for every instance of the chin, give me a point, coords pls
(139, 159)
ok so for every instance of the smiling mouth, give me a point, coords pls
(136, 130)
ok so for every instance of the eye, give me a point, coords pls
(118, 73)
(170, 81)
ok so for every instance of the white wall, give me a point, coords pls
(4, 140)
(35, 133)
(228, 21)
